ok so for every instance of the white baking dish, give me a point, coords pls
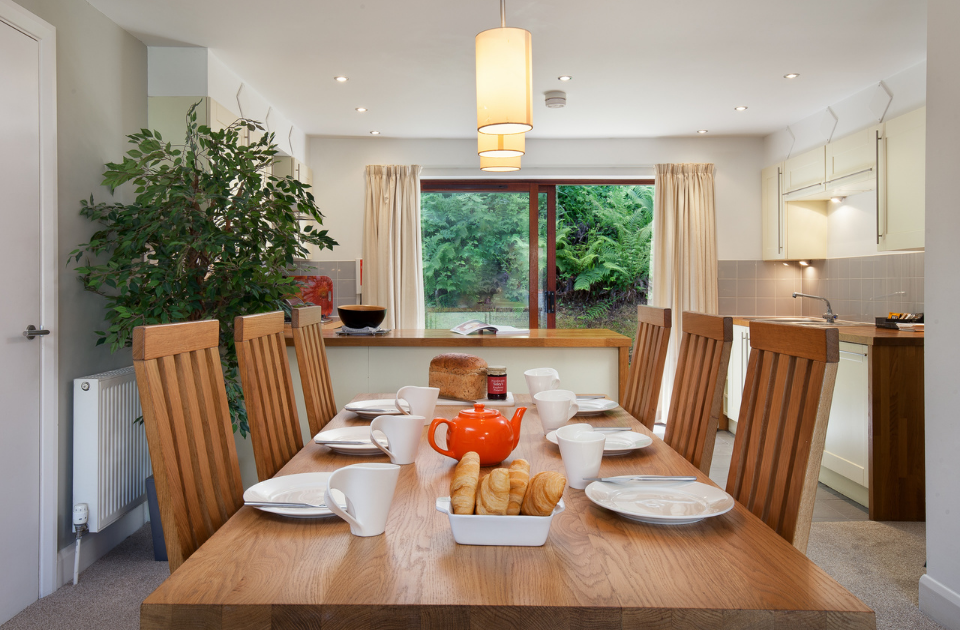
(507, 531)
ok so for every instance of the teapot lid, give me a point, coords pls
(478, 412)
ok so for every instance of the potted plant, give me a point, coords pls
(209, 236)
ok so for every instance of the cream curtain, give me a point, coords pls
(684, 252)
(393, 266)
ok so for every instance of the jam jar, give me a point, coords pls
(497, 382)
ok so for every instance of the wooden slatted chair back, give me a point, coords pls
(267, 391)
(697, 399)
(783, 424)
(187, 421)
(314, 369)
(642, 392)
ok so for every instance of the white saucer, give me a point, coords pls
(595, 407)
(370, 409)
(619, 443)
(352, 434)
(301, 488)
(662, 503)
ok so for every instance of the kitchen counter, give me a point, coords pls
(867, 334)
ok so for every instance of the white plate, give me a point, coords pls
(352, 434)
(370, 409)
(301, 488)
(595, 407)
(508, 531)
(619, 443)
(661, 503)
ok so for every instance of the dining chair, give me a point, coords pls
(697, 398)
(189, 433)
(267, 391)
(314, 369)
(642, 392)
(783, 424)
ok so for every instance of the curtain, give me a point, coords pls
(393, 266)
(684, 252)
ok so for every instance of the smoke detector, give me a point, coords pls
(556, 98)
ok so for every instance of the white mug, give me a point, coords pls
(368, 489)
(541, 379)
(403, 436)
(555, 407)
(422, 400)
(581, 449)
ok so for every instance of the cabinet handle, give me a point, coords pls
(866, 170)
(879, 183)
(790, 192)
(779, 211)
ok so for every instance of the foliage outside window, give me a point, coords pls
(209, 236)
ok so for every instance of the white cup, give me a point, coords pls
(422, 400)
(581, 449)
(368, 489)
(541, 380)
(403, 436)
(555, 407)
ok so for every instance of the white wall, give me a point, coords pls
(940, 587)
(101, 97)
(338, 166)
(194, 71)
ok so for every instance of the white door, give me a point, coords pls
(20, 286)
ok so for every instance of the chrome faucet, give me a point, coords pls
(829, 315)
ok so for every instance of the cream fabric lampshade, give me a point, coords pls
(499, 165)
(504, 81)
(494, 146)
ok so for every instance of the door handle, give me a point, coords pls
(32, 332)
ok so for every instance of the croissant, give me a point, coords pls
(494, 492)
(543, 494)
(463, 488)
(519, 477)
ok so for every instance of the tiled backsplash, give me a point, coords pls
(342, 272)
(859, 289)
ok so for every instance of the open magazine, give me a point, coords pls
(476, 326)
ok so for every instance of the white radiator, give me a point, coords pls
(110, 457)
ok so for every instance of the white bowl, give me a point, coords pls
(507, 531)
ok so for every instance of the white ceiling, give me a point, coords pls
(640, 68)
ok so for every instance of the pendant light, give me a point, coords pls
(493, 146)
(504, 79)
(499, 165)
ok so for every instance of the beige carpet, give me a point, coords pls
(108, 595)
(881, 563)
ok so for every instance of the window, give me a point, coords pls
(586, 243)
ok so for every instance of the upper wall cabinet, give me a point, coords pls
(901, 202)
(792, 230)
(852, 163)
(294, 168)
(805, 173)
(167, 114)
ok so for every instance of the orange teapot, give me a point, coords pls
(485, 431)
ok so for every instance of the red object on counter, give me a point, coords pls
(317, 290)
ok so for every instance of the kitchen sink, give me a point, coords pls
(806, 321)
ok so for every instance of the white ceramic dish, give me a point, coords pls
(370, 409)
(300, 488)
(595, 407)
(352, 434)
(505, 531)
(662, 503)
(619, 443)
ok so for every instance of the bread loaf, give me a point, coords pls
(460, 376)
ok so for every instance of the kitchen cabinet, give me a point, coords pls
(293, 168)
(845, 466)
(167, 114)
(901, 200)
(852, 157)
(805, 173)
(792, 229)
(737, 373)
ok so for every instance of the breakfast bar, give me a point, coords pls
(596, 570)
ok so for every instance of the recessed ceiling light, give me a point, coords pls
(341, 79)
(702, 131)
(792, 75)
(361, 109)
(374, 133)
(565, 78)
(740, 108)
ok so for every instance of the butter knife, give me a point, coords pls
(611, 429)
(347, 442)
(283, 505)
(642, 478)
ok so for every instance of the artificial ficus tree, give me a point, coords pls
(209, 236)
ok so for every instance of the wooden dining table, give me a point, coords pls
(596, 570)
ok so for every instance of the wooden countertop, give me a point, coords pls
(596, 570)
(866, 334)
(537, 338)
